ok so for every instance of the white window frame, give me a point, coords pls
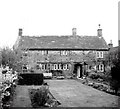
(65, 67)
(64, 52)
(99, 54)
(43, 67)
(100, 68)
(55, 66)
(59, 66)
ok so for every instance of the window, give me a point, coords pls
(40, 66)
(55, 66)
(100, 68)
(65, 67)
(44, 52)
(64, 52)
(99, 54)
(59, 66)
(43, 67)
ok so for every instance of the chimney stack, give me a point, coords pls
(20, 32)
(74, 31)
(110, 45)
(99, 32)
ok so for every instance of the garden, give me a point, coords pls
(7, 87)
(102, 81)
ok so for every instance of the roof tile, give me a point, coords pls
(68, 42)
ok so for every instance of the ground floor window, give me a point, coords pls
(54, 66)
(65, 67)
(100, 68)
(59, 66)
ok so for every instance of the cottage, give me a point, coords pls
(69, 54)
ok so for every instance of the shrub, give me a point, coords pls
(39, 96)
(93, 75)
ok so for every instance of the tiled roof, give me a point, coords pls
(61, 42)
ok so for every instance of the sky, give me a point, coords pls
(57, 17)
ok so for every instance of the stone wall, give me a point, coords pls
(34, 59)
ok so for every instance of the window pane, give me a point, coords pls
(55, 67)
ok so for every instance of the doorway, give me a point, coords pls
(78, 70)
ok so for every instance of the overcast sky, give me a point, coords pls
(57, 17)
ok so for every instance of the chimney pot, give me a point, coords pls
(110, 44)
(20, 32)
(74, 31)
(99, 31)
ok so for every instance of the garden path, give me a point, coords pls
(22, 99)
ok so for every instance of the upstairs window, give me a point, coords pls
(44, 52)
(99, 54)
(64, 52)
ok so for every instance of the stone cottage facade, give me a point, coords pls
(70, 54)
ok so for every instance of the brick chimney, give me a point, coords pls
(20, 32)
(99, 32)
(74, 31)
(110, 45)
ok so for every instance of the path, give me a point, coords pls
(21, 98)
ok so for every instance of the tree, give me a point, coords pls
(113, 59)
(12, 58)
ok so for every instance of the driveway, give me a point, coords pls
(71, 93)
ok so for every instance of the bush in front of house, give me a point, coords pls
(93, 75)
